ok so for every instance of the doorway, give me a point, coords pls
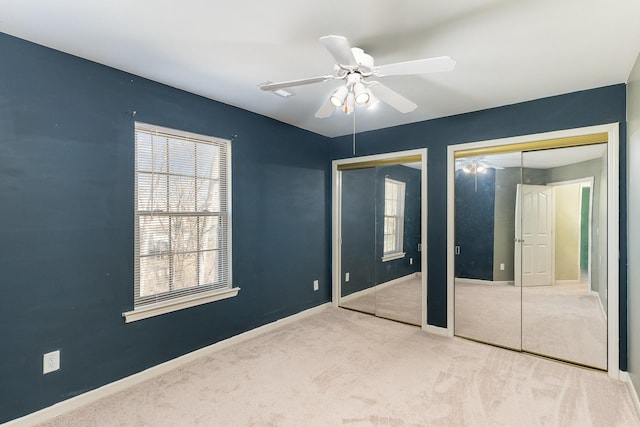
(379, 235)
(510, 319)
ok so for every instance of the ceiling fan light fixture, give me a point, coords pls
(361, 94)
(339, 96)
(474, 167)
(373, 101)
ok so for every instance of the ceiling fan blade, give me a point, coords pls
(340, 49)
(419, 66)
(397, 101)
(326, 110)
(291, 83)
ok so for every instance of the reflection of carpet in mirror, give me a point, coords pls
(399, 301)
(489, 313)
(563, 321)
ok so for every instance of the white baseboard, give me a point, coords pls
(380, 286)
(597, 295)
(436, 330)
(358, 294)
(625, 377)
(91, 396)
(398, 280)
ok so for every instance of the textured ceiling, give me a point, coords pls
(507, 51)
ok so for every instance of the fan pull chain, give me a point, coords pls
(354, 131)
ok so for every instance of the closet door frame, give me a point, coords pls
(613, 229)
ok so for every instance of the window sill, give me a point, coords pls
(163, 307)
(391, 257)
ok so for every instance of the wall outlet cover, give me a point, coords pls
(315, 285)
(51, 362)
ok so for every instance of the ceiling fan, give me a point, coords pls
(356, 68)
(476, 165)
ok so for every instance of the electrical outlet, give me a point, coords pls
(51, 362)
(410, 261)
(315, 285)
(502, 266)
(346, 277)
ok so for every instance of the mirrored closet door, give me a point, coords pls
(381, 235)
(487, 304)
(531, 252)
(563, 253)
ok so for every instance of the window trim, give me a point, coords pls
(190, 300)
(168, 306)
(393, 255)
(399, 232)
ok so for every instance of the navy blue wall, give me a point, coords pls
(578, 109)
(475, 197)
(66, 205)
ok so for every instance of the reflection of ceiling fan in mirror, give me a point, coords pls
(475, 165)
(355, 67)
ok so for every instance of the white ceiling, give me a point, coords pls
(507, 51)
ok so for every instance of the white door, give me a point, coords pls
(534, 242)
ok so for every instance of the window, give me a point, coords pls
(182, 221)
(393, 219)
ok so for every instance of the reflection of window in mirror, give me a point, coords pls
(393, 219)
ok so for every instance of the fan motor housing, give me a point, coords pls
(364, 61)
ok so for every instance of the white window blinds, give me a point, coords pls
(182, 214)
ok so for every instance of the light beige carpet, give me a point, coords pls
(401, 301)
(343, 368)
(561, 321)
